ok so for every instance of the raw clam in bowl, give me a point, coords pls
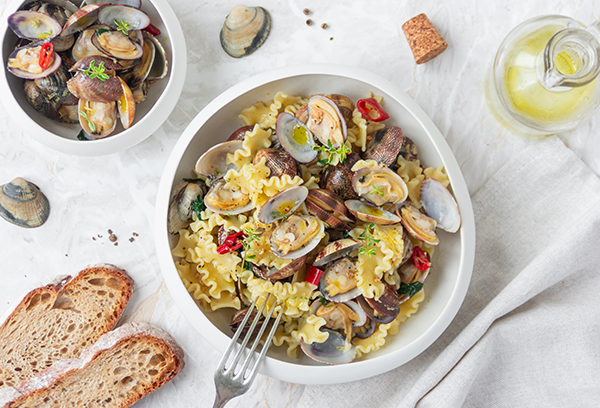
(150, 114)
(445, 289)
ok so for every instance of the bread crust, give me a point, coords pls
(55, 380)
(65, 299)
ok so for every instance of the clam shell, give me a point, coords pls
(376, 317)
(330, 202)
(307, 246)
(332, 272)
(336, 250)
(274, 274)
(23, 204)
(278, 161)
(102, 115)
(82, 19)
(331, 219)
(295, 138)
(384, 146)
(213, 163)
(29, 75)
(136, 18)
(419, 225)
(331, 351)
(325, 121)
(224, 203)
(282, 204)
(126, 105)
(370, 213)
(133, 52)
(160, 64)
(338, 179)
(391, 187)
(240, 133)
(440, 205)
(245, 30)
(49, 95)
(181, 205)
(34, 25)
(409, 149)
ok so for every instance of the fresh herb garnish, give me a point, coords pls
(123, 26)
(190, 180)
(101, 31)
(251, 236)
(81, 135)
(36, 23)
(198, 206)
(342, 151)
(376, 190)
(368, 248)
(346, 234)
(89, 121)
(323, 300)
(410, 288)
(94, 71)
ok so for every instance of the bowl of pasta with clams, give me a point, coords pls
(326, 196)
(91, 78)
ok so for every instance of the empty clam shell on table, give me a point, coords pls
(245, 30)
(23, 204)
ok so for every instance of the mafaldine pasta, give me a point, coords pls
(318, 203)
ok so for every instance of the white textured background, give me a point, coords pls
(88, 196)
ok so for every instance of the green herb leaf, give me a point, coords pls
(122, 26)
(346, 234)
(94, 71)
(323, 301)
(189, 180)
(198, 206)
(376, 190)
(90, 123)
(410, 288)
(101, 31)
(81, 135)
(368, 248)
(342, 151)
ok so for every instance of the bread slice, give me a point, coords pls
(122, 367)
(60, 319)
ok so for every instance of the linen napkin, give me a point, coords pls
(528, 332)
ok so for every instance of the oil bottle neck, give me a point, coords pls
(571, 58)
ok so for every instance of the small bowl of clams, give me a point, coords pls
(327, 197)
(91, 78)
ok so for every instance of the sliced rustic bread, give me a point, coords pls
(60, 319)
(122, 367)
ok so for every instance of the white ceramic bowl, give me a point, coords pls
(149, 116)
(445, 289)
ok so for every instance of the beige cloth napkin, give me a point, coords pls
(528, 332)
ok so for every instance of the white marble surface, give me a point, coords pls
(88, 196)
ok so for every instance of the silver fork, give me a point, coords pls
(232, 380)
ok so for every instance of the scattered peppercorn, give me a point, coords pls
(110, 231)
(112, 237)
(116, 243)
(324, 26)
(306, 11)
(131, 239)
(309, 22)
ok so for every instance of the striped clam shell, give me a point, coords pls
(23, 204)
(245, 30)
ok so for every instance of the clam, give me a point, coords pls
(384, 146)
(325, 121)
(23, 204)
(344, 104)
(380, 185)
(278, 161)
(34, 25)
(98, 119)
(116, 45)
(334, 350)
(89, 86)
(160, 65)
(23, 62)
(336, 250)
(181, 206)
(410, 274)
(126, 105)
(83, 46)
(245, 30)
(329, 218)
(332, 205)
(338, 283)
(132, 3)
(409, 149)
(440, 205)
(295, 137)
(419, 225)
(338, 179)
(213, 163)
(50, 97)
(274, 274)
(407, 248)
(238, 318)
(82, 19)
(384, 309)
(61, 10)
(282, 204)
(370, 213)
(122, 17)
(342, 316)
(296, 236)
(226, 201)
(240, 133)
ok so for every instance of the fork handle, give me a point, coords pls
(221, 400)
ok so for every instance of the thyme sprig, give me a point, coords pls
(252, 235)
(368, 248)
(123, 26)
(376, 190)
(94, 71)
(342, 151)
(89, 121)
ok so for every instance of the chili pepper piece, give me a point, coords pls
(46, 55)
(370, 109)
(420, 259)
(151, 30)
(313, 275)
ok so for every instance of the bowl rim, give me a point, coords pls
(296, 373)
(154, 118)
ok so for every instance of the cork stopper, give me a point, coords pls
(424, 40)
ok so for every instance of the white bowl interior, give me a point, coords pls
(444, 289)
(162, 96)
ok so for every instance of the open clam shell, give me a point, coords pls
(98, 119)
(225, 201)
(331, 351)
(380, 185)
(213, 163)
(419, 225)
(23, 204)
(181, 206)
(330, 202)
(119, 16)
(117, 45)
(337, 283)
(296, 236)
(23, 62)
(34, 25)
(245, 30)
(295, 138)
(336, 250)
(160, 64)
(440, 205)
(370, 213)
(275, 274)
(325, 121)
(82, 19)
(126, 105)
(61, 10)
(282, 204)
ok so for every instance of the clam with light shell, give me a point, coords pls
(23, 204)
(245, 30)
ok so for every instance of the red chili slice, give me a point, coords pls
(420, 259)
(313, 275)
(152, 30)
(370, 109)
(233, 242)
(46, 55)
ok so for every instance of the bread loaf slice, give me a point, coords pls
(122, 367)
(60, 319)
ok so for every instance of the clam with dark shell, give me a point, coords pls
(181, 206)
(338, 178)
(95, 88)
(23, 204)
(51, 97)
(278, 161)
(384, 146)
(245, 30)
